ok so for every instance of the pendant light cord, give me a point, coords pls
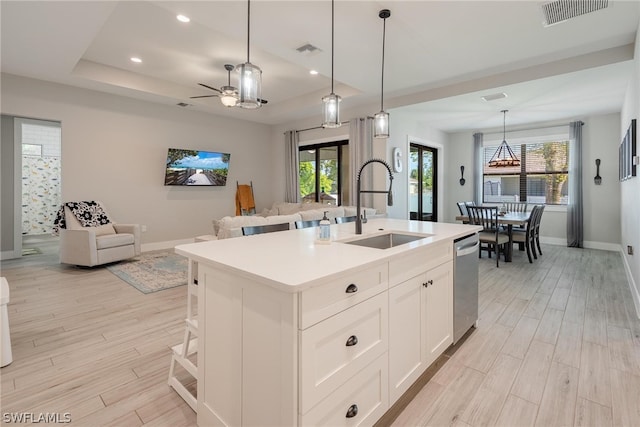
(332, 31)
(384, 30)
(248, 26)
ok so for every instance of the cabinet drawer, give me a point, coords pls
(418, 261)
(319, 303)
(367, 391)
(334, 350)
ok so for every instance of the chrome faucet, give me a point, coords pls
(389, 194)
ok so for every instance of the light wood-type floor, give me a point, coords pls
(558, 344)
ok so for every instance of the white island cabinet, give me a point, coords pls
(295, 333)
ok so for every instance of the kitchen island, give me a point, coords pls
(292, 332)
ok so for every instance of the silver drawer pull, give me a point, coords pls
(351, 341)
(352, 411)
(351, 289)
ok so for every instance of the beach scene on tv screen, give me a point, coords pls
(193, 167)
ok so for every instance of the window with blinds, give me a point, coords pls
(542, 176)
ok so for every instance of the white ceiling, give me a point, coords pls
(441, 56)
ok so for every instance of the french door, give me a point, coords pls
(423, 173)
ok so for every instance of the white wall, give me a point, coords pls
(630, 189)
(114, 150)
(601, 137)
(404, 129)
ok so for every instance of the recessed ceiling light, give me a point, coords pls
(313, 72)
(136, 59)
(183, 18)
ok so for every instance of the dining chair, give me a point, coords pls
(307, 224)
(516, 206)
(536, 227)
(259, 229)
(462, 207)
(526, 237)
(343, 219)
(487, 217)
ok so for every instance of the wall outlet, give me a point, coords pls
(143, 228)
(629, 249)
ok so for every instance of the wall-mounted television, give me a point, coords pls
(195, 167)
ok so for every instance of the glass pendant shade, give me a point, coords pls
(331, 111)
(381, 125)
(229, 96)
(249, 86)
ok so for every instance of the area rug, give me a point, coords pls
(152, 271)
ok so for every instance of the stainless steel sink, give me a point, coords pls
(387, 240)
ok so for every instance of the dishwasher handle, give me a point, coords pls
(467, 250)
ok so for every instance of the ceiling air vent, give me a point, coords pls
(494, 96)
(559, 11)
(308, 49)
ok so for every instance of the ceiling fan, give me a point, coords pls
(228, 94)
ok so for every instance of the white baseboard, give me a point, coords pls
(633, 286)
(4, 255)
(157, 246)
(553, 241)
(603, 246)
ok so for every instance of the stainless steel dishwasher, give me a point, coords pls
(465, 284)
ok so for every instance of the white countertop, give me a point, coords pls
(292, 261)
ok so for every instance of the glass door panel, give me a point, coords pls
(329, 176)
(422, 183)
(414, 198)
(307, 168)
(427, 185)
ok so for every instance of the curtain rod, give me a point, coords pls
(320, 127)
(536, 128)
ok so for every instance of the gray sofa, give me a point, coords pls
(231, 226)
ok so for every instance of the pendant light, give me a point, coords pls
(504, 156)
(381, 119)
(250, 76)
(331, 102)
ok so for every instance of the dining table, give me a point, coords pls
(508, 219)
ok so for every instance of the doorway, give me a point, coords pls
(38, 192)
(423, 185)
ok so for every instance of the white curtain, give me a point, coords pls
(360, 150)
(575, 231)
(478, 167)
(292, 158)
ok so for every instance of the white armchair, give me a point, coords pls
(90, 246)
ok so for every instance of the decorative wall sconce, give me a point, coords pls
(462, 180)
(397, 160)
(598, 178)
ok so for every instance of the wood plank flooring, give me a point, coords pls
(558, 344)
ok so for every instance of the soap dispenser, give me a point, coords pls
(324, 230)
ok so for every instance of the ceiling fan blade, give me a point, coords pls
(209, 87)
(204, 96)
